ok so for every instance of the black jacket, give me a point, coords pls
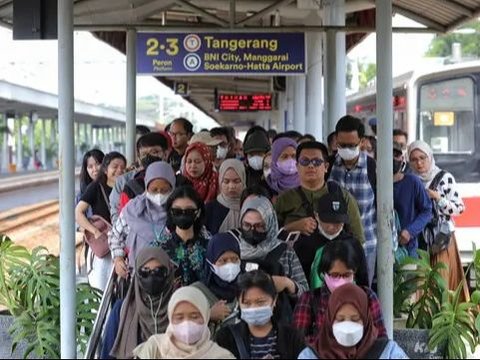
(290, 342)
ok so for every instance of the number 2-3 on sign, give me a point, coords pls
(154, 47)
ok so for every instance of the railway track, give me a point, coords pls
(26, 215)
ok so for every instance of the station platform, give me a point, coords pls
(11, 182)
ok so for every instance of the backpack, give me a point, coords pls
(436, 234)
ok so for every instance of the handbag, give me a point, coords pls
(99, 246)
(436, 234)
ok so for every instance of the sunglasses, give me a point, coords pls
(180, 212)
(160, 272)
(307, 162)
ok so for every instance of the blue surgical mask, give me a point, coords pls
(257, 316)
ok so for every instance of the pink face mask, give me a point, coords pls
(188, 332)
(334, 283)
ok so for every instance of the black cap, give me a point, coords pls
(332, 208)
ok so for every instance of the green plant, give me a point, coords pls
(417, 276)
(29, 288)
(453, 326)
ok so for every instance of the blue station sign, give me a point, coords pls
(220, 54)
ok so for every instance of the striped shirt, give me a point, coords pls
(264, 348)
(356, 181)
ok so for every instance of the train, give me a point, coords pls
(441, 106)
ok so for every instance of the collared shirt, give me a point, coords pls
(356, 181)
(311, 311)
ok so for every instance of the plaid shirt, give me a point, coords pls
(357, 183)
(311, 311)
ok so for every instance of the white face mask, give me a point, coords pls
(158, 199)
(255, 162)
(188, 332)
(329, 236)
(348, 333)
(348, 154)
(227, 272)
(222, 153)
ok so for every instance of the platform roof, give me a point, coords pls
(108, 19)
(23, 100)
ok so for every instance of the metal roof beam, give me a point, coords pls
(133, 14)
(455, 6)
(202, 12)
(275, 6)
(457, 24)
(419, 18)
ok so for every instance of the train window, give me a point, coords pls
(447, 115)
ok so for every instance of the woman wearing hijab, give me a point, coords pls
(284, 175)
(442, 189)
(223, 213)
(342, 262)
(187, 335)
(143, 312)
(259, 244)
(349, 332)
(143, 219)
(200, 171)
(219, 285)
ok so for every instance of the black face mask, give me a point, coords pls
(184, 222)
(253, 237)
(153, 282)
(149, 159)
(397, 166)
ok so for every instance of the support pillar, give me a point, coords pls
(290, 103)
(385, 218)
(131, 94)
(43, 147)
(314, 96)
(5, 159)
(335, 66)
(67, 180)
(299, 104)
(19, 146)
(33, 117)
(86, 136)
(53, 142)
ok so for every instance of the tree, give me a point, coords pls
(368, 72)
(441, 45)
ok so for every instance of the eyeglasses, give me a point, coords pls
(421, 158)
(180, 212)
(174, 135)
(157, 272)
(259, 227)
(316, 162)
(346, 275)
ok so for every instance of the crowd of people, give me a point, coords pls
(255, 250)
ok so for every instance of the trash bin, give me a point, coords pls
(12, 168)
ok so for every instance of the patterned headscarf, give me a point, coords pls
(265, 208)
(207, 184)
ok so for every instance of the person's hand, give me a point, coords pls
(283, 283)
(434, 195)
(306, 226)
(219, 311)
(404, 237)
(121, 268)
(97, 233)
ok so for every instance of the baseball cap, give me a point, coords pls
(332, 208)
(205, 138)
